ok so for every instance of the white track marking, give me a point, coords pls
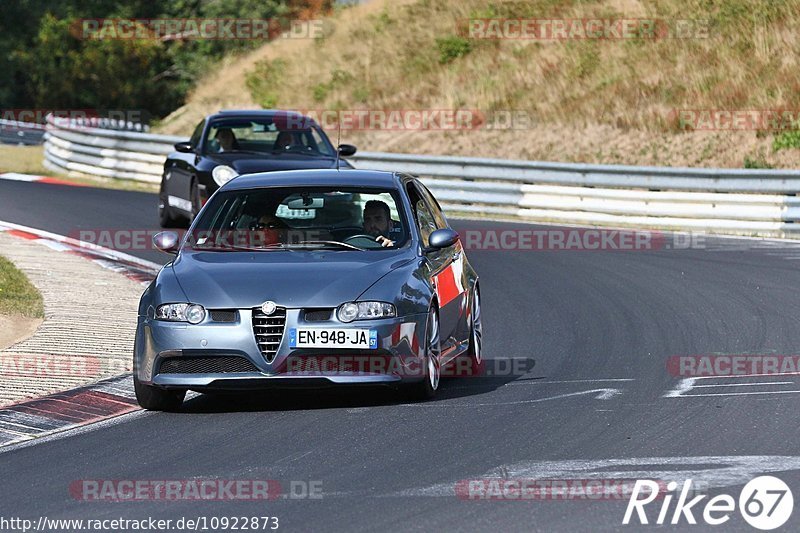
(687, 384)
(70, 431)
(601, 394)
(14, 176)
(100, 250)
(57, 246)
(744, 384)
(740, 393)
(540, 382)
(714, 471)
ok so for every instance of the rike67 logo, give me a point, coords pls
(765, 503)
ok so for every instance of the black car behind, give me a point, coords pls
(230, 143)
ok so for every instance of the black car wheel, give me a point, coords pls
(426, 389)
(194, 198)
(156, 399)
(477, 365)
(166, 217)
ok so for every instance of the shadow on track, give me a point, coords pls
(337, 397)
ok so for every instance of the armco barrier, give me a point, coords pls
(750, 202)
(14, 132)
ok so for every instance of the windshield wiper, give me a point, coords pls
(326, 243)
(273, 246)
(299, 152)
(232, 248)
(280, 246)
(243, 152)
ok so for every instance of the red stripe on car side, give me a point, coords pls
(446, 288)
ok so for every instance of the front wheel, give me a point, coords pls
(426, 389)
(156, 399)
(166, 218)
(196, 201)
(477, 365)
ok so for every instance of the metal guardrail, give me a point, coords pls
(27, 133)
(751, 202)
(31, 133)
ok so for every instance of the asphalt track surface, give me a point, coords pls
(595, 330)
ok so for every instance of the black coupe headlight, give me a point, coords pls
(222, 174)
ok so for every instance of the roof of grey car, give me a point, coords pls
(323, 177)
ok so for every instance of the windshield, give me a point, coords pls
(264, 135)
(352, 219)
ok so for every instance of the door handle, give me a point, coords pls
(456, 256)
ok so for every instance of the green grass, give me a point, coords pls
(452, 47)
(22, 159)
(262, 80)
(17, 295)
(757, 161)
(786, 140)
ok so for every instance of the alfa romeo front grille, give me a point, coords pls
(268, 330)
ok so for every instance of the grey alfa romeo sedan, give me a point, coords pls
(309, 278)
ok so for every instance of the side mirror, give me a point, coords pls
(166, 241)
(184, 147)
(347, 149)
(441, 238)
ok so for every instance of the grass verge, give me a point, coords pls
(18, 296)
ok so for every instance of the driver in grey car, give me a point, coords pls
(378, 222)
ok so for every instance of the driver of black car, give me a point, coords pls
(378, 223)
(284, 140)
(226, 140)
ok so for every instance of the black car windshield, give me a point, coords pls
(274, 136)
(341, 218)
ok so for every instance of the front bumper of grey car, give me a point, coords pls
(243, 349)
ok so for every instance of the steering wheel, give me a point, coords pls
(276, 224)
(369, 238)
(296, 148)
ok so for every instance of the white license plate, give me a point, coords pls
(365, 339)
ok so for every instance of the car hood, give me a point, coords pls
(296, 278)
(251, 163)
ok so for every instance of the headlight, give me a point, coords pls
(365, 311)
(191, 313)
(222, 174)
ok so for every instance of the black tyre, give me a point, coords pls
(166, 216)
(426, 389)
(477, 365)
(156, 399)
(194, 198)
